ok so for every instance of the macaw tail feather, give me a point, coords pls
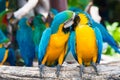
(107, 37)
(11, 57)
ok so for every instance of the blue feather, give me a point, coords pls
(72, 42)
(99, 43)
(2, 53)
(2, 5)
(3, 38)
(54, 11)
(60, 19)
(43, 44)
(11, 57)
(106, 36)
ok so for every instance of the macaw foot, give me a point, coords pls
(81, 70)
(95, 67)
(58, 70)
(41, 70)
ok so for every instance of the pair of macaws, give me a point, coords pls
(76, 33)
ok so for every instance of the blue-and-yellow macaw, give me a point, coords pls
(106, 36)
(38, 28)
(85, 43)
(25, 42)
(53, 46)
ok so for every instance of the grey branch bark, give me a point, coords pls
(108, 71)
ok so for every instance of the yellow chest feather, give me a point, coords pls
(86, 47)
(57, 45)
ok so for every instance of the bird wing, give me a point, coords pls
(99, 43)
(107, 37)
(72, 44)
(43, 44)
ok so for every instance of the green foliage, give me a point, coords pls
(78, 3)
(114, 30)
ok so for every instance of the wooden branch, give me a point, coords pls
(109, 71)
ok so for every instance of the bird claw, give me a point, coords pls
(41, 70)
(81, 70)
(95, 68)
(58, 70)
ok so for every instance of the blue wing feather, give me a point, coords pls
(11, 57)
(43, 44)
(99, 43)
(107, 37)
(2, 53)
(68, 48)
(73, 44)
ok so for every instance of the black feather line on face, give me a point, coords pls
(76, 22)
(66, 30)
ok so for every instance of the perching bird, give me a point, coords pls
(25, 42)
(7, 55)
(38, 28)
(105, 35)
(53, 46)
(85, 43)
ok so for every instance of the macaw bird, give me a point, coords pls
(7, 55)
(85, 43)
(53, 46)
(38, 28)
(105, 35)
(25, 42)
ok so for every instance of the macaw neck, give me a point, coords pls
(83, 19)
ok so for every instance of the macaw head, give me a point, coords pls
(39, 19)
(3, 17)
(85, 18)
(64, 20)
(22, 24)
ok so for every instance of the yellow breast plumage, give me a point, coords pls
(56, 47)
(86, 47)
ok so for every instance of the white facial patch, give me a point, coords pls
(69, 22)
